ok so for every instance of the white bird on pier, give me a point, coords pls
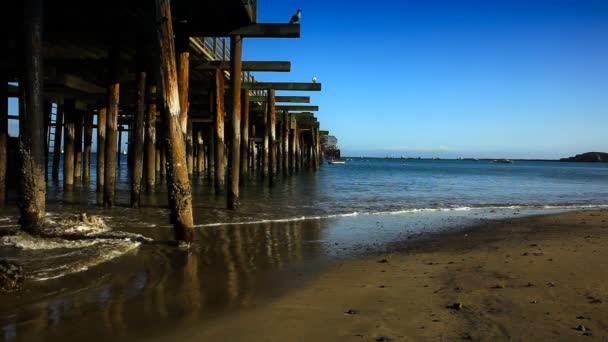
(314, 79)
(296, 17)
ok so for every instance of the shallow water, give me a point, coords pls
(281, 237)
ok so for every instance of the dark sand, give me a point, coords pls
(539, 278)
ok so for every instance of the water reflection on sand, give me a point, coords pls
(159, 288)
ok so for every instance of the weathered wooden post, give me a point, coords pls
(292, 148)
(182, 45)
(151, 137)
(31, 126)
(234, 163)
(111, 129)
(272, 124)
(102, 112)
(211, 154)
(138, 131)
(88, 141)
(200, 152)
(265, 151)
(245, 133)
(78, 126)
(179, 187)
(69, 106)
(285, 143)
(57, 143)
(313, 149)
(118, 152)
(220, 147)
(253, 151)
(3, 140)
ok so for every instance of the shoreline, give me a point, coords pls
(529, 278)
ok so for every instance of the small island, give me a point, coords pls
(589, 157)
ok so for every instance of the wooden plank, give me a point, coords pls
(293, 86)
(290, 99)
(273, 66)
(268, 30)
(77, 83)
(298, 108)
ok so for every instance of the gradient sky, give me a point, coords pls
(488, 78)
(451, 78)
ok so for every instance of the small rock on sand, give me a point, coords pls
(350, 312)
(11, 276)
(456, 306)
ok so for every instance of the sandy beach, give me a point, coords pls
(537, 278)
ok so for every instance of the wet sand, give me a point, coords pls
(538, 278)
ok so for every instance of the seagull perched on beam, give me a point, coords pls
(295, 19)
(314, 79)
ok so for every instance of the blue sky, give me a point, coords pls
(451, 78)
(516, 79)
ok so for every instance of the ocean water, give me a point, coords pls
(124, 279)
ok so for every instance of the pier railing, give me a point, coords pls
(218, 49)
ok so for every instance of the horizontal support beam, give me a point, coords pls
(298, 108)
(295, 86)
(268, 31)
(290, 99)
(76, 83)
(276, 66)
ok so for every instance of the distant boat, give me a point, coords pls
(503, 161)
(336, 162)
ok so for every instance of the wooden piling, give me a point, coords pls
(292, 149)
(182, 46)
(211, 154)
(57, 143)
(179, 186)
(265, 151)
(118, 152)
(31, 139)
(220, 147)
(88, 141)
(69, 106)
(78, 128)
(234, 163)
(151, 137)
(313, 149)
(285, 150)
(245, 144)
(253, 151)
(272, 148)
(138, 133)
(111, 129)
(200, 152)
(102, 113)
(3, 140)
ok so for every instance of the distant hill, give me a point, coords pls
(589, 157)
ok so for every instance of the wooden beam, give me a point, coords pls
(290, 99)
(294, 86)
(298, 108)
(77, 83)
(274, 66)
(268, 31)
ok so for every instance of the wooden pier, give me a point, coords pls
(168, 78)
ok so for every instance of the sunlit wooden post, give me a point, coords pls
(200, 152)
(292, 148)
(179, 186)
(234, 163)
(253, 151)
(111, 129)
(220, 147)
(285, 142)
(182, 45)
(102, 112)
(245, 133)
(32, 204)
(272, 148)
